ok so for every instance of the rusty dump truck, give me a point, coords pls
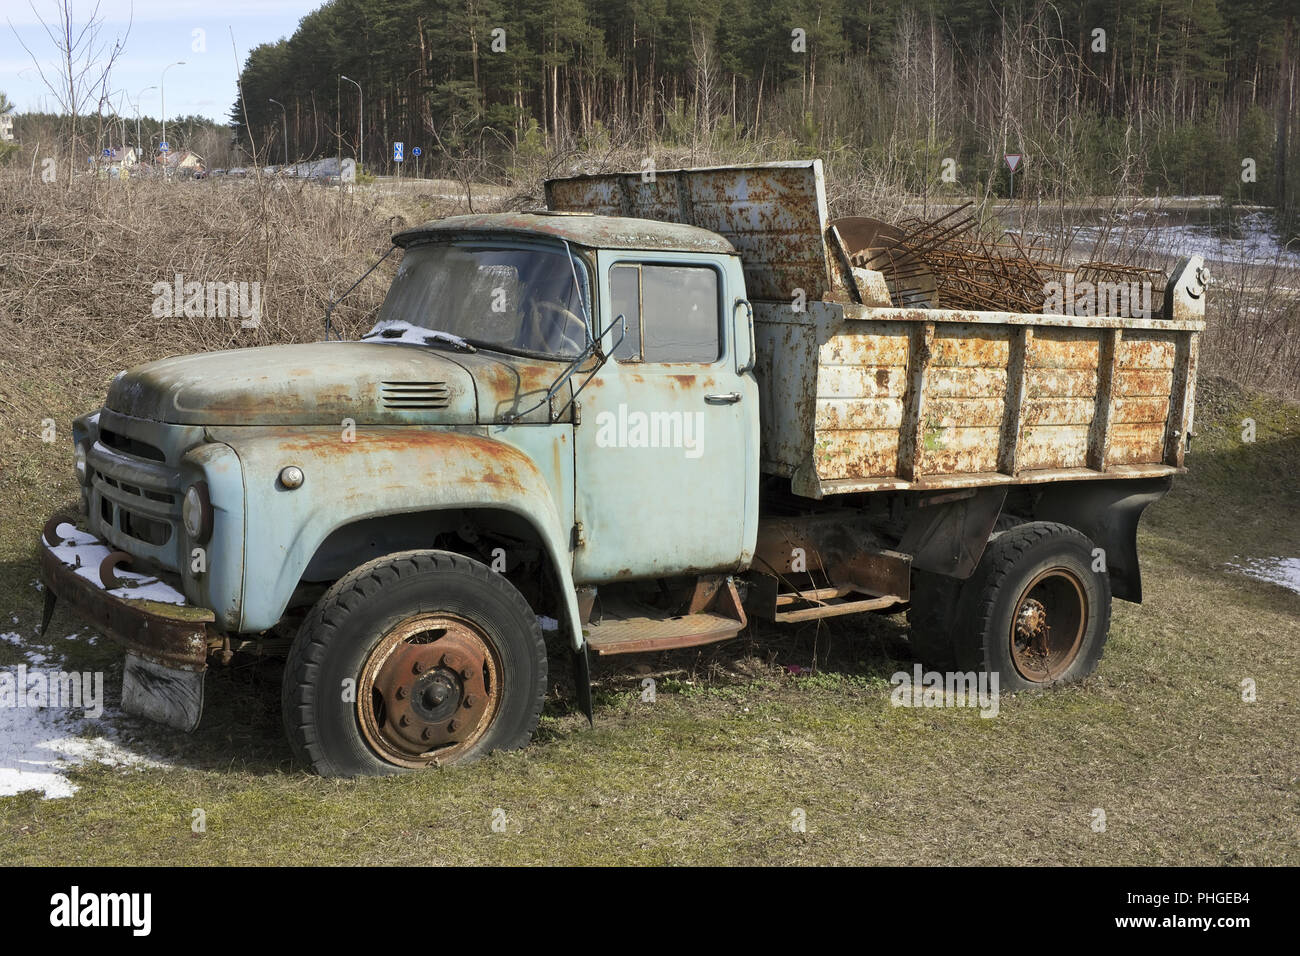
(639, 418)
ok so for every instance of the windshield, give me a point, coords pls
(492, 295)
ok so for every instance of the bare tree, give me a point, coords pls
(80, 81)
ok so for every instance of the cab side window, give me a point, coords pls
(671, 312)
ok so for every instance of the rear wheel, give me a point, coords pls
(418, 659)
(1034, 612)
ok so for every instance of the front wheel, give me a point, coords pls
(1035, 612)
(418, 659)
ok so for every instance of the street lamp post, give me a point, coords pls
(285, 114)
(139, 144)
(361, 109)
(162, 96)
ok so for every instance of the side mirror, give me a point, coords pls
(742, 323)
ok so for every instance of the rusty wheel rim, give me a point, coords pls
(429, 690)
(1048, 625)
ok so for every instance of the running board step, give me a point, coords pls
(834, 607)
(634, 635)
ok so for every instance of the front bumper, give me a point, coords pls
(167, 644)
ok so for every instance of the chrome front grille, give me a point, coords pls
(135, 486)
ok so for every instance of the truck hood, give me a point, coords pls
(325, 382)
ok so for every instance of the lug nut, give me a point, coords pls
(469, 700)
(401, 693)
(466, 673)
(452, 725)
(418, 667)
(405, 721)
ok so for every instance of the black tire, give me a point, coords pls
(930, 619)
(371, 621)
(932, 610)
(1034, 612)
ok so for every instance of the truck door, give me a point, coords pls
(667, 450)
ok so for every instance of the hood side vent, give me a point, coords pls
(415, 396)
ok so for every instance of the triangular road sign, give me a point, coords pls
(1013, 160)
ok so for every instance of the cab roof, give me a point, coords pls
(584, 229)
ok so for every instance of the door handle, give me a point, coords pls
(730, 398)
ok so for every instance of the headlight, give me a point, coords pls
(196, 512)
(79, 454)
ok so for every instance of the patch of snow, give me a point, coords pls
(38, 745)
(399, 330)
(1284, 572)
(1256, 246)
(84, 552)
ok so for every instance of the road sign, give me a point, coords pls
(398, 147)
(107, 151)
(415, 151)
(1013, 160)
(163, 147)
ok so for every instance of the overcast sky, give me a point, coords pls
(160, 32)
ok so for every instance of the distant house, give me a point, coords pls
(181, 160)
(122, 156)
(7, 127)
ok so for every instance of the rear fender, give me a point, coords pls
(1107, 512)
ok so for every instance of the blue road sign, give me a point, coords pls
(164, 147)
(108, 152)
(415, 151)
(397, 151)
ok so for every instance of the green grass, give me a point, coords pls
(736, 741)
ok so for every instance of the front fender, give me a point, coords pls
(380, 471)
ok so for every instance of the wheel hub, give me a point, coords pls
(1048, 625)
(429, 690)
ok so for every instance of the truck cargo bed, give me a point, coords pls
(864, 399)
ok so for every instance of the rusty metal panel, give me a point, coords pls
(1104, 410)
(1142, 383)
(918, 399)
(950, 450)
(611, 231)
(861, 453)
(884, 349)
(1053, 446)
(1137, 444)
(1147, 350)
(774, 214)
(968, 412)
(968, 383)
(971, 346)
(1064, 348)
(854, 414)
(1181, 400)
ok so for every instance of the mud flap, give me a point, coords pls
(168, 695)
